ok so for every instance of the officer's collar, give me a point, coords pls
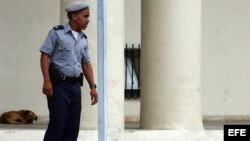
(67, 28)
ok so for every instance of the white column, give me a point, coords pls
(171, 64)
(115, 64)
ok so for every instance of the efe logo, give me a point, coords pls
(236, 132)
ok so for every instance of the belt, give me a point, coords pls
(69, 79)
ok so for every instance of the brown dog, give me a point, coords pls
(18, 117)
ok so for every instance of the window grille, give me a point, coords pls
(132, 71)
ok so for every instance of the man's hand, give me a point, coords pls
(94, 96)
(47, 88)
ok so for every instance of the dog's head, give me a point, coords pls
(29, 115)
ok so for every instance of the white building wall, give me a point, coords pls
(133, 22)
(226, 57)
(23, 27)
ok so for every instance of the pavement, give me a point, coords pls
(208, 125)
(33, 132)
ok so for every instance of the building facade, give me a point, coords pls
(194, 59)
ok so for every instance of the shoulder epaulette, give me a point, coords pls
(58, 27)
(85, 36)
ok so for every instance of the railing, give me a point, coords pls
(132, 71)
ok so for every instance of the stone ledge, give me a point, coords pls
(227, 118)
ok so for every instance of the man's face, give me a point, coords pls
(82, 19)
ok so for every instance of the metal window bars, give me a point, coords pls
(132, 71)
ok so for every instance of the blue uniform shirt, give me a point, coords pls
(66, 53)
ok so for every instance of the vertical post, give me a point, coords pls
(102, 55)
(139, 70)
(132, 67)
(126, 69)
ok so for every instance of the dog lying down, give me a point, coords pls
(18, 117)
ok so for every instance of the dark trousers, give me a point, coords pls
(64, 112)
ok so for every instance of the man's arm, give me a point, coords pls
(88, 73)
(47, 86)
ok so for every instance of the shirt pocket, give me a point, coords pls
(64, 50)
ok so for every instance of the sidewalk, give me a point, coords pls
(34, 132)
(208, 125)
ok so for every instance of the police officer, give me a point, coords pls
(64, 55)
